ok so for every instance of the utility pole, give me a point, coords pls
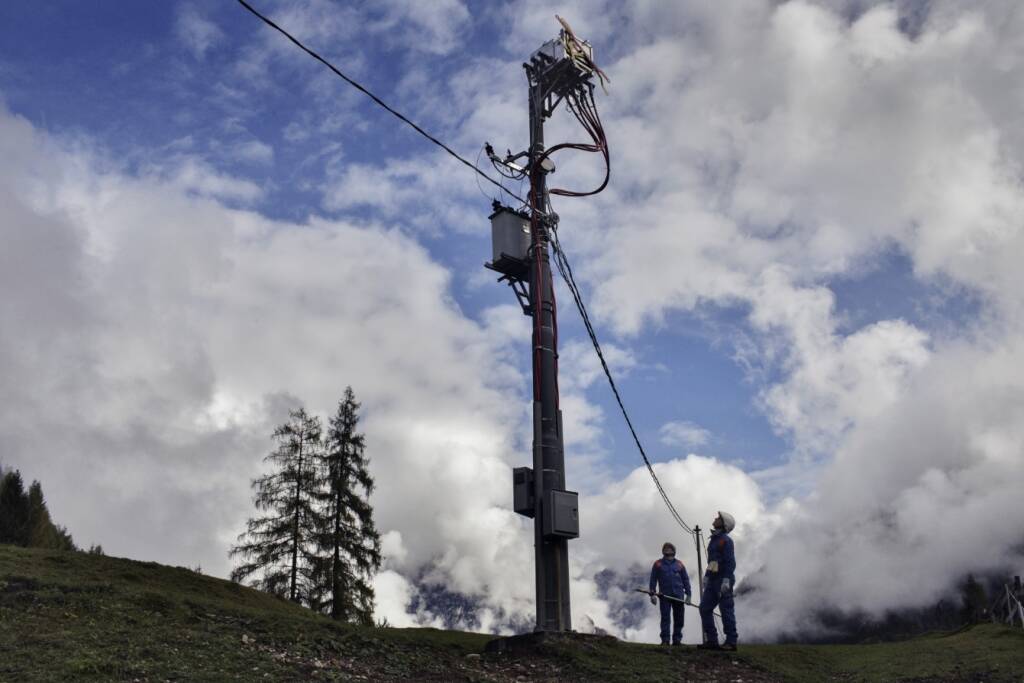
(522, 245)
(551, 553)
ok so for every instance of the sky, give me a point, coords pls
(804, 273)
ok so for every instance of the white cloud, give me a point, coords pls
(198, 33)
(177, 327)
(423, 193)
(253, 151)
(194, 175)
(632, 522)
(435, 27)
(684, 433)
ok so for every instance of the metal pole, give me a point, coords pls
(700, 562)
(551, 553)
(700, 576)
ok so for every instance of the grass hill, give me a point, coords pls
(74, 616)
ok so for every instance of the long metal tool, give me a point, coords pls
(672, 599)
(666, 597)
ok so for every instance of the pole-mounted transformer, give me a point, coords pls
(521, 241)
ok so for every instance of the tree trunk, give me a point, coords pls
(338, 611)
(295, 533)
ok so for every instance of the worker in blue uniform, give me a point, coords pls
(669, 576)
(719, 581)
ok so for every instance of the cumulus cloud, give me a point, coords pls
(160, 325)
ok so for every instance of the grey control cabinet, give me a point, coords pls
(561, 514)
(522, 491)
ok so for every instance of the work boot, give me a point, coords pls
(664, 642)
(731, 647)
(709, 646)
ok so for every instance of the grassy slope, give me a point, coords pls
(69, 616)
(987, 652)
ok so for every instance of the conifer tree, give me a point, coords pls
(349, 542)
(278, 548)
(24, 517)
(14, 510)
(42, 532)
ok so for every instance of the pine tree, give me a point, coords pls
(349, 542)
(14, 510)
(278, 548)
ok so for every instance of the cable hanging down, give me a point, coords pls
(566, 271)
(373, 97)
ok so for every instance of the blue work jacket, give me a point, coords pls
(671, 577)
(720, 550)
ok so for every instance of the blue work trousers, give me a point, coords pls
(711, 599)
(671, 610)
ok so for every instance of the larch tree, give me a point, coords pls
(349, 542)
(278, 549)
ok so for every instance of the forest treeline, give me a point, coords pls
(24, 518)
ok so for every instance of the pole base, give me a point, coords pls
(526, 643)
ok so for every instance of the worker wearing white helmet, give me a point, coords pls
(719, 580)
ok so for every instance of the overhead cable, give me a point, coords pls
(566, 271)
(373, 97)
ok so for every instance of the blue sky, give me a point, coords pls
(808, 223)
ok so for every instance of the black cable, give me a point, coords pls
(373, 97)
(566, 271)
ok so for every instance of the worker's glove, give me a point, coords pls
(726, 588)
(654, 600)
(713, 566)
(687, 598)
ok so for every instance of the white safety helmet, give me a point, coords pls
(728, 521)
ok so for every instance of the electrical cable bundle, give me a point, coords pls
(581, 104)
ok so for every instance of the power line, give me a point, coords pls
(373, 97)
(566, 270)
